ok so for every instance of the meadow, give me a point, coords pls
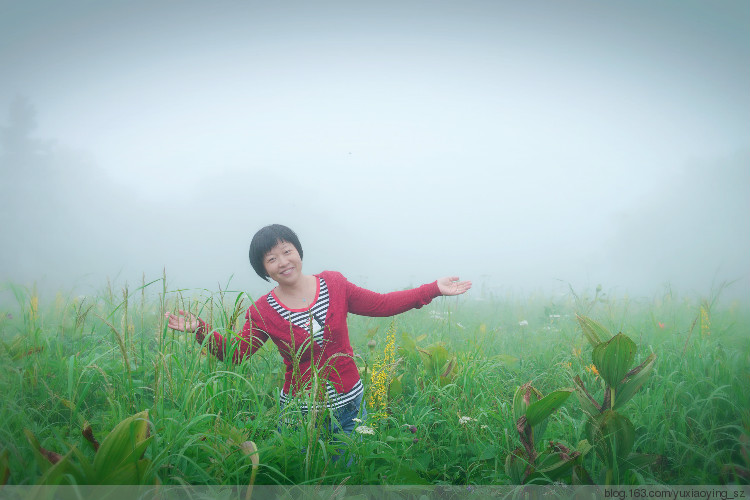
(442, 385)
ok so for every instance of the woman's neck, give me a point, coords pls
(299, 294)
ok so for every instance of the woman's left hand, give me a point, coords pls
(451, 286)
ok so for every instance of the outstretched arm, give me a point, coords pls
(367, 303)
(250, 339)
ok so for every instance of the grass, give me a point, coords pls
(101, 359)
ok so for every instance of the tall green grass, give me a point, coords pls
(101, 359)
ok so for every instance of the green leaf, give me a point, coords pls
(506, 359)
(56, 474)
(612, 436)
(613, 358)
(543, 408)
(594, 332)
(523, 398)
(128, 473)
(121, 442)
(633, 382)
(434, 357)
(551, 467)
(4, 467)
(408, 346)
(396, 388)
(588, 404)
(41, 462)
(515, 466)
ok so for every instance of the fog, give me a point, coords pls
(523, 145)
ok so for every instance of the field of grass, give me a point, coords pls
(77, 362)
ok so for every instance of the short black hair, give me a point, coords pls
(267, 238)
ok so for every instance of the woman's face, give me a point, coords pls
(283, 263)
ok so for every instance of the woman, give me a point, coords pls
(305, 316)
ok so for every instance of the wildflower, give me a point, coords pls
(437, 315)
(416, 440)
(34, 307)
(592, 369)
(382, 375)
(705, 322)
(356, 420)
(577, 352)
(523, 322)
(484, 427)
(661, 325)
(363, 429)
(413, 429)
(460, 325)
(466, 420)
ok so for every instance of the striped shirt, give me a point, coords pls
(312, 320)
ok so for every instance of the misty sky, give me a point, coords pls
(518, 144)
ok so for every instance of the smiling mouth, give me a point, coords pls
(286, 272)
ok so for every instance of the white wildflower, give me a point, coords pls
(356, 420)
(460, 325)
(466, 420)
(363, 429)
(523, 323)
(484, 427)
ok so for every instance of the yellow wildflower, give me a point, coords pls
(705, 322)
(33, 307)
(382, 375)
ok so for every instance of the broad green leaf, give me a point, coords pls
(552, 467)
(588, 404)
(408, 345)
(506, 359)
(41, 462)
(449, 368)
(434, 357)
(537, 412)
(57, 472)
(138, 451)
(121, 441)
(594, 332)
(515, 466)
(583, 447)
(523, 398)
(396, 388)
(4, 468)
(612, 436)
(613, 358)
(127, 473)
(87, 469)
(633, 382)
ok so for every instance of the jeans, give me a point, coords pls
(344, 417)
(343, 424)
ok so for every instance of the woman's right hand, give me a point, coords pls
(185, 322)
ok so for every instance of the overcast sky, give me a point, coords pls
(522, 145)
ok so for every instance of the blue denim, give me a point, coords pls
(344, 417)
(343, 424)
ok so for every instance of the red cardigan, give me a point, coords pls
(335, 360)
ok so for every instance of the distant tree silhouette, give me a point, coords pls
(17, 146)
